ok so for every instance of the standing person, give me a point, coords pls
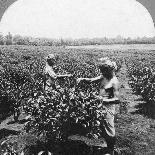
(109, 95)
(50, 75)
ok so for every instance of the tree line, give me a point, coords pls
(9, 39)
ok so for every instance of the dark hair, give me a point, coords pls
(106, 71)
(50, 62)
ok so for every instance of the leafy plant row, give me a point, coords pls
(142, 78)
(66, 109)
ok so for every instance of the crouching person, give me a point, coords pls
(109, 95)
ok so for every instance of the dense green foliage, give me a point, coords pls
(57, 112)
(53, 115)
(142, 78)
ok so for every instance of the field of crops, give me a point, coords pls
(21, 91)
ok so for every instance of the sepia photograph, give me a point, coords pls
(77, 77)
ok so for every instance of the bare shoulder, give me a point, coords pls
(115, 81)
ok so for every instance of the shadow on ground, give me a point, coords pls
(3, 116)
(123, 108)
(145, 109)
(6, 132)
(22, 121)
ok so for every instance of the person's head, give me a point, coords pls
(107, 67)
(51, 59)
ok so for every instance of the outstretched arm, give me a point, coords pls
(53, 75)
(91, 80)
(63, 76)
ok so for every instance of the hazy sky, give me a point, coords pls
(77, 19)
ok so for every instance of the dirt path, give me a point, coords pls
(134, 127)
(127, 96)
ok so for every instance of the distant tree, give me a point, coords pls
(18, 40)
(8, 38)
(1, 39)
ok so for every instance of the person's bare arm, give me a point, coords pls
(116, 89)
(91, 80)
(63, 76)
(96, 79)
